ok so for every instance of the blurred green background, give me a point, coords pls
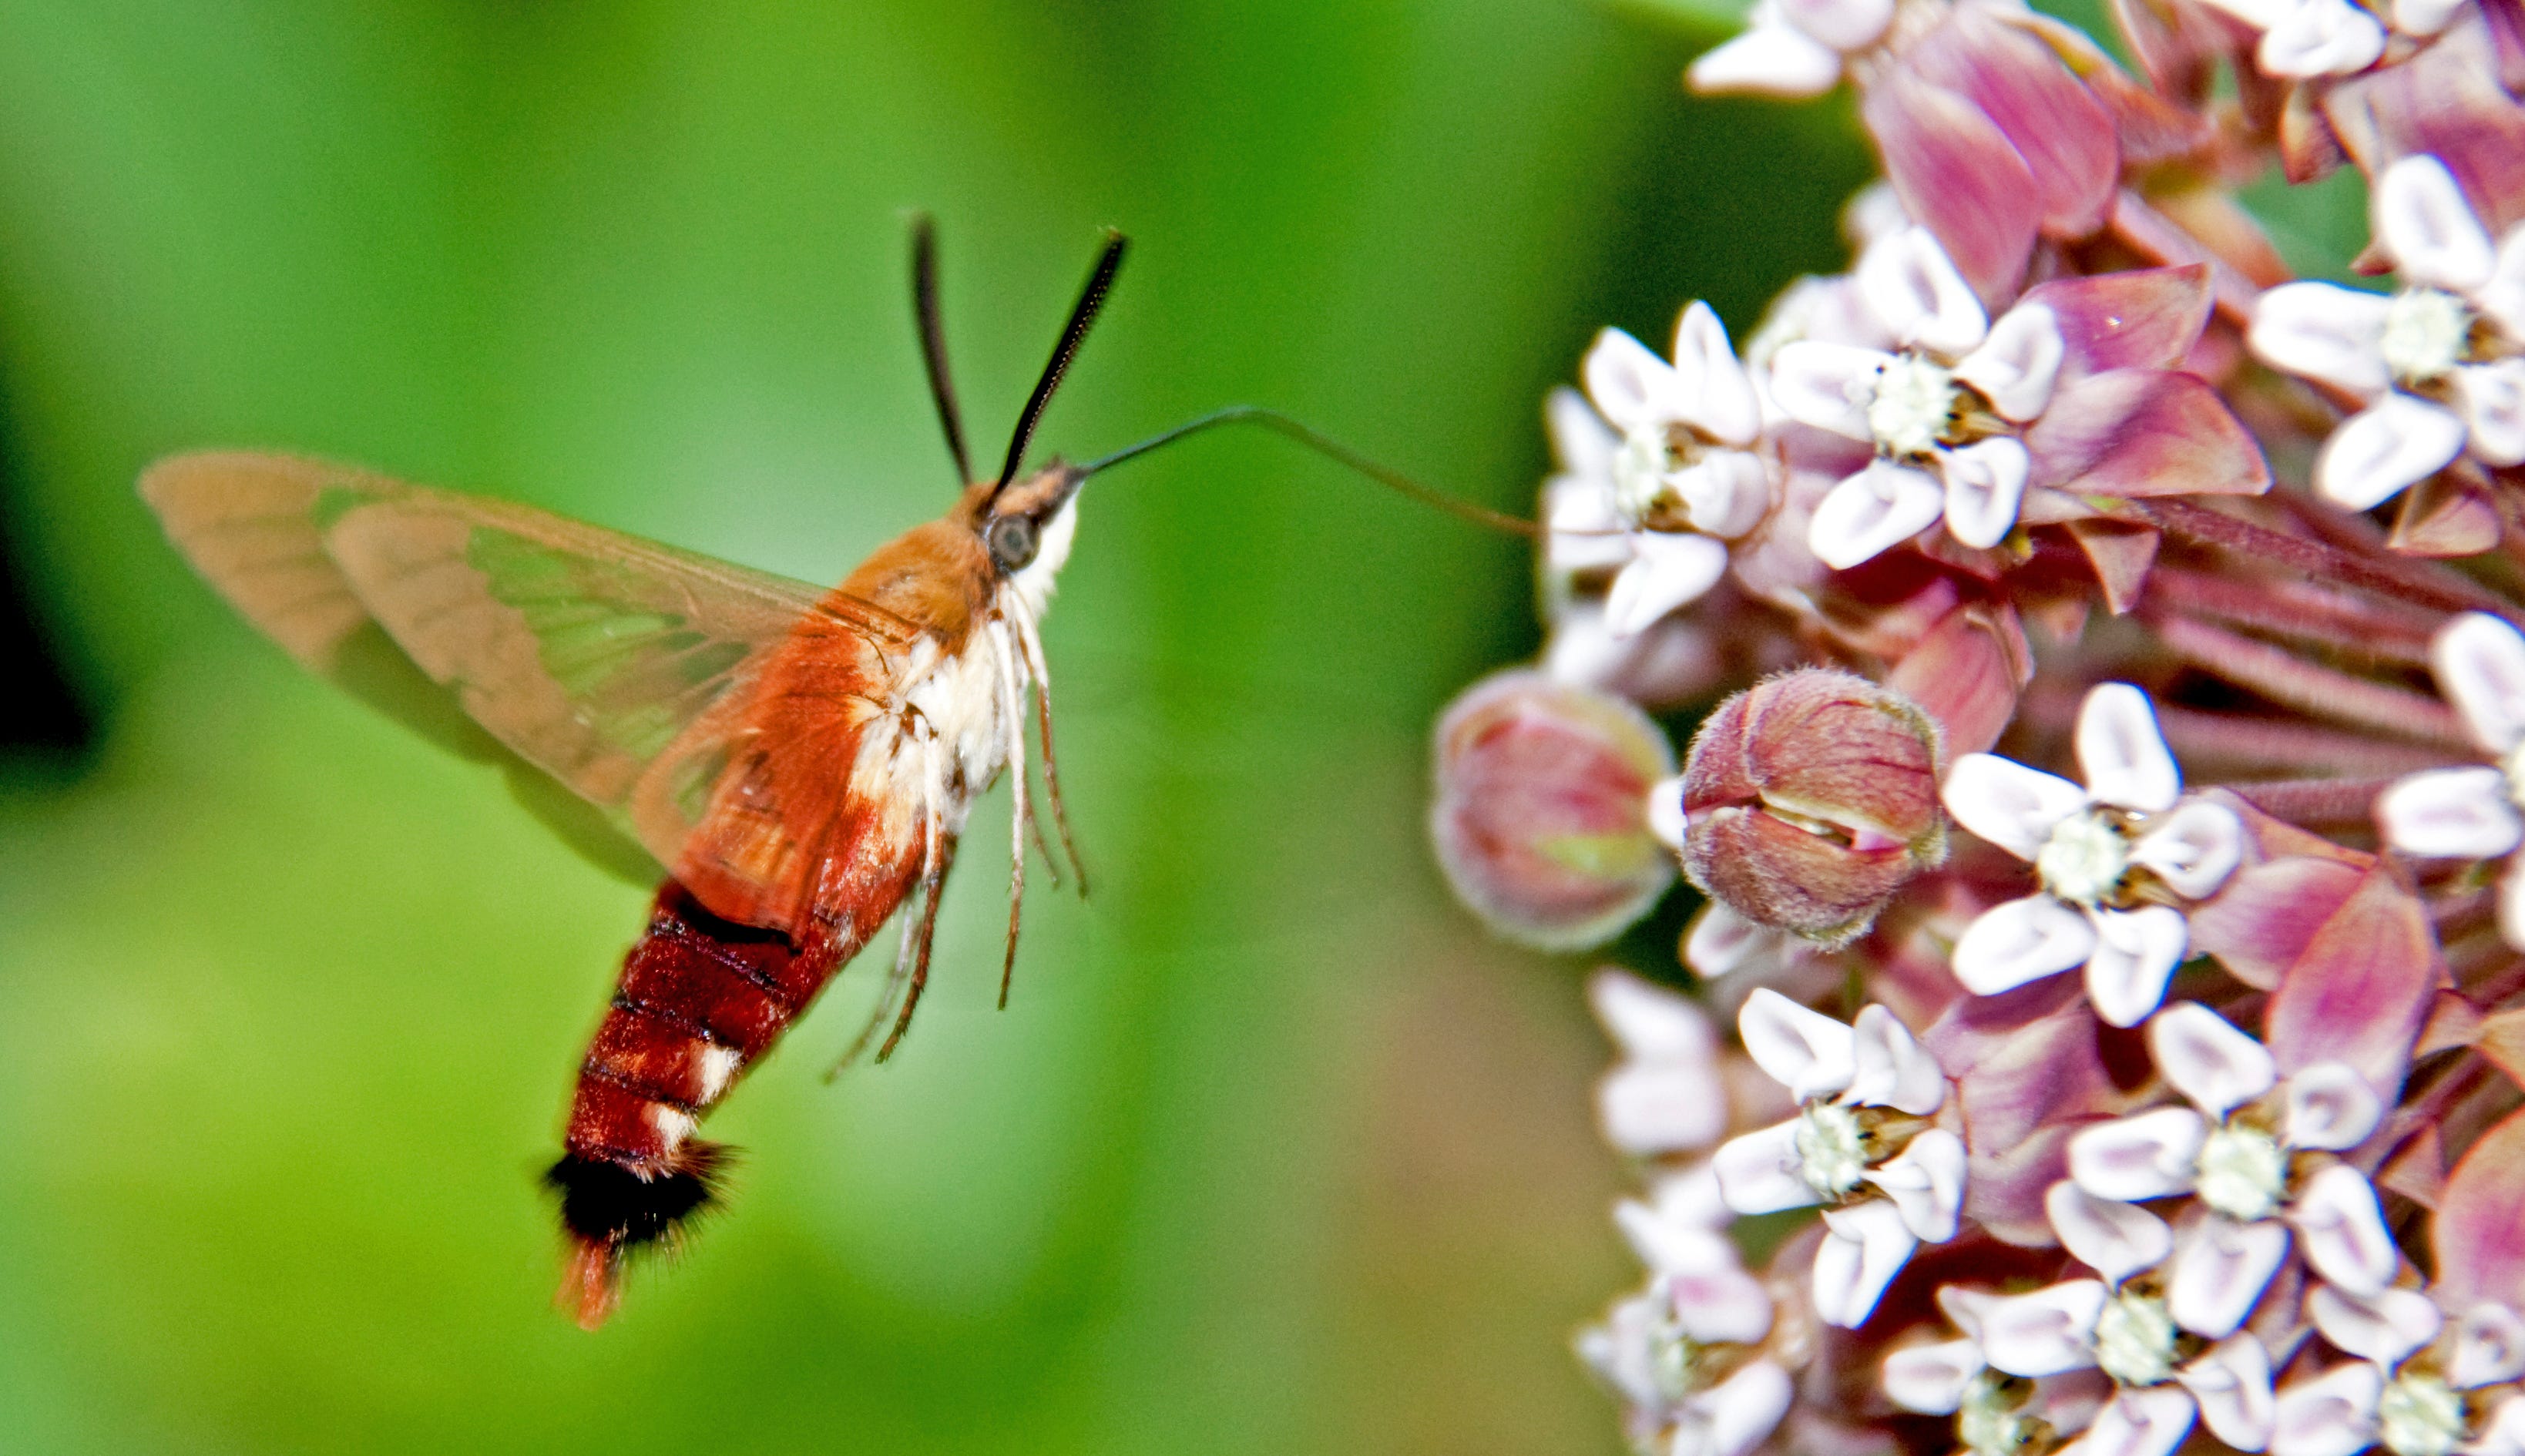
(1273, 1151)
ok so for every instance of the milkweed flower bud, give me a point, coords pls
(1542, 816)
(1808, 800)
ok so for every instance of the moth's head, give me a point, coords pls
(1025, 521)
(1027, 524)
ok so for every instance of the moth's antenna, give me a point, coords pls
(1081, 316)
(1324, 444)
(933, 338)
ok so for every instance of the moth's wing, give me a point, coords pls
(589, 654)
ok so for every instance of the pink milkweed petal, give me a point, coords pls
(2451, 101)
(1930, 1380)
(2217, 1067)
(1758, 1173)
(1630, 386)
(2324, 332)
(1843, 25)
(2132, 1159)
(1805, 1051)
(1926, 1184)
(2260, 922)
(1582, 530)
(2424, 17)
(2146, 319)
(2425, 223)
(1668, 819)
(1953, 168)
(2321, 38)
(1967, 672)
(2383, 449)
(2016, 367)
(1867, 1246)
(2136, 953)
(1651, 1023)
(2116, 1239)
(1913, 289)
(2330, 1108)
(1767, 59)
(1721, 940)
(1873, 512)
(2385, 1327)
(2492, 397)
(2359, 990)
(1668, 569)
(2503, 298)
(1893, 1071)
(2151, 1422)
(1735, 1415)
(2057, 125)
(2332, 1415)
(2452, 813)
(1827, 385)
(2027, 1074)
(1678, 1246)
(2007, 803)
(1581, 441)
(2194, 849)
(1727, 492)
(1650, 1108)
(2480, 666)
(2123, 753)
(2220, 1272)
(2231, 1382)
(2137, 433)
(1985, 482)
(2474, 1232)
(1720, 1306)
(2021, 940)
(2341, 1230)
(2488, 1347)
(2048, 1332)
(1712, 389)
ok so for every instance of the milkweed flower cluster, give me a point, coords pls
(2103, 1028)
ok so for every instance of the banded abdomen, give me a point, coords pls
(852, 777)
(700, 998)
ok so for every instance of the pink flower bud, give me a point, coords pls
(1542, 818)
(1809, 798)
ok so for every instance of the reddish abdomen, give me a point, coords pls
(700, 998)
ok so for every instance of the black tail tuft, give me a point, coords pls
(611, 1210)
(612, 1204)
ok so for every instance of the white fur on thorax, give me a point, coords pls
(958, 701)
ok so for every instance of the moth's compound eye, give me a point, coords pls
(1012, 540)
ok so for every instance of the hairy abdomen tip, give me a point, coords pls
(611, 1210)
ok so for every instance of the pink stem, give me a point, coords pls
(2164, 241)
(2312, 802)
(2308, 687)
(2387, 631)
(2386, 576)
(2235, 739)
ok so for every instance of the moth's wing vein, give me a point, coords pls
(594, 656)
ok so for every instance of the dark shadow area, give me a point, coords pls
(40, 716)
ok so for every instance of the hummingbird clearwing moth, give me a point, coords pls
(802, 761)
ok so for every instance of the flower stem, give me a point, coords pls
(2308, 803)
(2386, 577)
(2284, 677)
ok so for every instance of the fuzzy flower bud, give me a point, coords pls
(1542, 820)
(1808, 800)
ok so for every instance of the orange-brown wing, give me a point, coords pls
(622, 668)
